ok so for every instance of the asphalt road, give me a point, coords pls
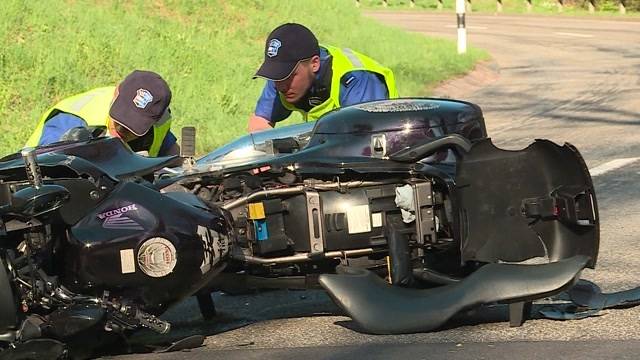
(561, 78)
(574, 80)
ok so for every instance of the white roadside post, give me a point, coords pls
(462, 30)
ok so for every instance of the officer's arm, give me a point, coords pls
(269, 110)
(169, 145)
(57, 126)
(173, 150)
(361, 86)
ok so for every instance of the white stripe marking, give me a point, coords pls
(468, 27)
(573, 34)
(612, 165)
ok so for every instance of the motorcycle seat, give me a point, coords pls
(380, 308)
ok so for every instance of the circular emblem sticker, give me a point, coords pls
(157, 257)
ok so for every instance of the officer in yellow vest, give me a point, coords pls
(137, 111)
(314, 79)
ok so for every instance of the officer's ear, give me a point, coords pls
(315, 63)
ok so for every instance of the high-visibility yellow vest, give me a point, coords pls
(344, 61)
(93, 107)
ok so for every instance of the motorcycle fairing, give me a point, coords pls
(116, 159)
(8, 303)
(350, 131)
(103, 155)
(516, 205)
(381, 308)
(132, 215)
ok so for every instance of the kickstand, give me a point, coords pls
(519, 312)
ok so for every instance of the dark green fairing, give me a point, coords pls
(8, 304)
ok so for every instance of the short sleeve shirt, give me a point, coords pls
(60, 123)
(355, 87)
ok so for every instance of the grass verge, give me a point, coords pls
(207, 51)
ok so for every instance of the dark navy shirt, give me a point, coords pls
(356, 87)
(57, 125)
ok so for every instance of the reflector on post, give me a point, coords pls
(462, 31)
(188, 142)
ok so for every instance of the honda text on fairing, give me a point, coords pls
(405, 198)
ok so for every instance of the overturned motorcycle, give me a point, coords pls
(403, 210)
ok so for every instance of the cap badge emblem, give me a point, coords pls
(143, 98)
(274, 45)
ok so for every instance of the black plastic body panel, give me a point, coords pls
(96, 157)
(93, 257)
(278, 239)
(342, 139)
(493, 188)
(8, 303)
(335, 208)
(296, 223)
(404, 122)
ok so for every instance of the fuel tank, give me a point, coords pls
(380, 128)
(152, 247)
(360, 132)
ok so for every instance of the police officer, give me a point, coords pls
(313, 79)
(137, 111)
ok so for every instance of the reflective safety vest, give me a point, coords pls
(93, 107)
(344, 61)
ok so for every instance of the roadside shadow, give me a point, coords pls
(488, 314)
(237, 311)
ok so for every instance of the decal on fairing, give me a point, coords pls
(396, 106)
(157, 257)
(376, 219)
(127, 261)
(115, 219)
(358, 219)
(261, 230)
(214, 245)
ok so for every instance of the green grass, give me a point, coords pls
(550, 7)
(207, 51)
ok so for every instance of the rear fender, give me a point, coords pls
(516, 205)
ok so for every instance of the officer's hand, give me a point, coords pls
(258, 123)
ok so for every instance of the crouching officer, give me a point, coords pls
(314, 79)
(137, 111)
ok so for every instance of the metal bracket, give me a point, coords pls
(425, 221)
(315, 221)
(378, 145)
